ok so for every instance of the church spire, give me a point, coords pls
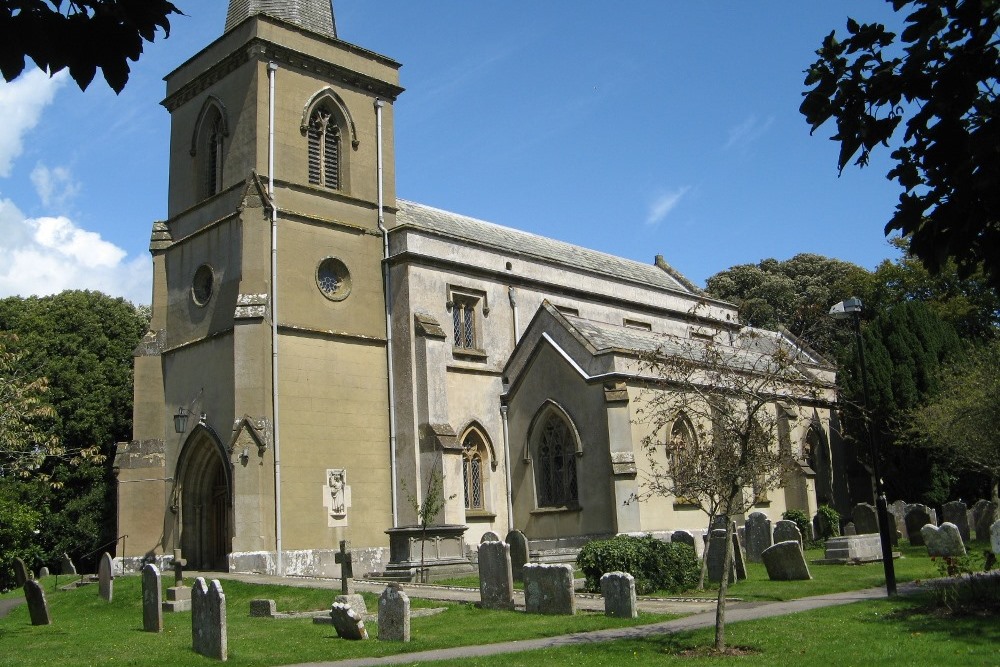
(313, 15)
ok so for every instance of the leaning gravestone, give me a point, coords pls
(917, 516)
(66, 566)
(785, 562)
(105, 577)
(618, 589)
(786, 530)
(865, 519)
(21, 573)
(496, 582)
(945, 540)
(983, 518)
(38, 607)
(519, 553)
(208, 619)
(548, 589)
(757, 533)
(739, 562)
(152, 599)
(393, 615)
(347, 622)
(995, 537)
(43, 572)
(957, 513)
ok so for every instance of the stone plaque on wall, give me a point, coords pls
(336, 497)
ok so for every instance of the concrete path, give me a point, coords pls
(7, 604)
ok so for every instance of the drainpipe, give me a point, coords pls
(379, 104)
(512, 296)
(272, 68)
(506, 450)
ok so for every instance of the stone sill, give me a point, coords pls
(557, 510)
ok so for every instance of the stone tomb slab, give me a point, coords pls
(853, 549)
(548, 589)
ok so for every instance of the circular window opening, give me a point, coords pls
(333, 279)
(203, 284)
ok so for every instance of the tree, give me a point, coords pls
(27, 436)
(940, 76)
(79, 35)
(960, 420)
(714, 406)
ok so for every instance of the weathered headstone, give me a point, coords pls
(548, 589)
(917, 516)
(347, 622)
(38, 607)
(786, 530)
(618, 589)
(66, 566)
(344, 559)
(105, 577)
(262, 608)
(43, 572)
(519, 553)
(718, 523)
(865, 519)
(995, 537)
(489, 536)
(897, 509)
(785, 562)
(178, 595)
(152, 599)
(393, 615)
(21, 573)
(683, 537)
(982, 515)
(716, 557)
(849, 529)
(945, 540)
(758, 535)
(739, 562)
(496, 582)
(957, 513)
(208, 619)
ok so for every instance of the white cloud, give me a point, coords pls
(47, 255)
(747, 132)
(55, 187)
(664, 204)
(21, 105)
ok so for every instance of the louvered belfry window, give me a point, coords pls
(324, 149)
(214, 167)
(557, 464)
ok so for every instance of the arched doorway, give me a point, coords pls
(204, 483)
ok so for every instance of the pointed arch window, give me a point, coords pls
(556, 475)
(324, 148)
(681, 442)
(208, 148)
(474, 458)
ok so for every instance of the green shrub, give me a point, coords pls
(801, 520)
(828, 524)
(655, 565)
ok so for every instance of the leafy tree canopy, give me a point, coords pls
(940, 77)
(79, 35)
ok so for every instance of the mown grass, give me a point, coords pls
(86, 630)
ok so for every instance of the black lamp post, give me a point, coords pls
(851, 308)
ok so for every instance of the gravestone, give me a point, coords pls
(739, 562)
(21, 573)
(785, 562)
(618, 589)
(208, 619)
(548, 589)
(105, 577)
(66, 566)
(982, 515)
(897, 509)
(945, 540)
(865, 519)
(262, 608)
(38, 607)
(152, 599)
(786, 530)
(519, 553)
(683, 537)
(849, 529)
(178, 595)
(489, 536)
(43, 572)
(917, 516)
(718, 523)
(393, 615)
(716, 557)
(347, 622)
(995, 537)
(496, 582)
(757, 532)
(343, 558)
(957, 513)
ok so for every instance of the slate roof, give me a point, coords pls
(313, 15)
(517, 242)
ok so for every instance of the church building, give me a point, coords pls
(325, 359)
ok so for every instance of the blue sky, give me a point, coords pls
(638, 128)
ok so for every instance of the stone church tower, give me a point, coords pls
(261, 405)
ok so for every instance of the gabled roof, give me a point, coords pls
(519, 243)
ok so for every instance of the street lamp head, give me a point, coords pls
(846, 308)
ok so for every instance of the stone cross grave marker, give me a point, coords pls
(957, 513)
(209, 635)
(21, 573)
(496, 580)
(757, 533)
(347, 622)
(394, 614)
(38, 607)
(152, 599)
(178, 595)
(945, 540)
(520, 554)
(548, 589)
(343, 558)
(618, 589)
(105, 577)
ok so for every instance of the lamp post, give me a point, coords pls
(851, 308)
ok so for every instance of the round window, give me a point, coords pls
(203, 284)
(333, 279)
